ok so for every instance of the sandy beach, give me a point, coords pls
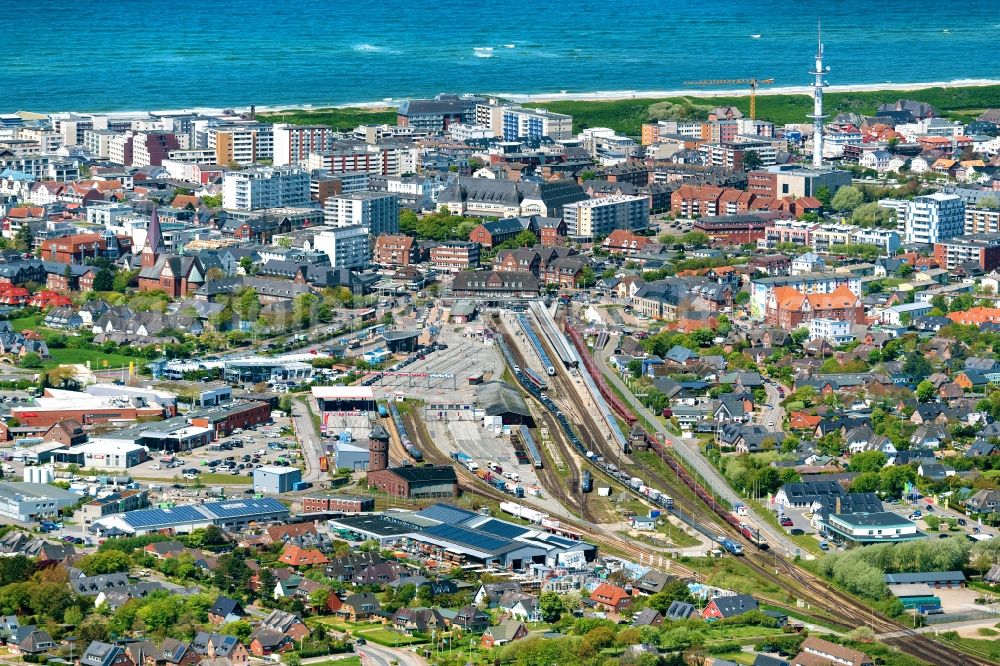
(596, 96)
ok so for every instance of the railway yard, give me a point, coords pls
(581, 438)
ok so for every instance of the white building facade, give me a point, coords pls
(347, 247)
(265, 187)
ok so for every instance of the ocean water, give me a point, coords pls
(145, 54)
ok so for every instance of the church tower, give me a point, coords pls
(154, 241)
(378, 449)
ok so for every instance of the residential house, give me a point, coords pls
(818, 652)
(611, 597)
(29, 639)
(647, 617)
(359, 607)
(470, 618)
(984, 501)
(488, 595)
(680, 610)
(720, 608)
(507, 631)
(286, 623)
(296, 556)
(225, 610)
(417, 620)
(104, 654)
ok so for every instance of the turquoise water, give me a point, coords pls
(117, 55)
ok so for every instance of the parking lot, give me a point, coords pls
(230, 460)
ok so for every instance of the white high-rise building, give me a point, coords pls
(376, 211)
(934, 217)
(347, 247)
(595, 218)
(265, 187)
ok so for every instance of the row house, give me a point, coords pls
(74, 249)
(622, 242)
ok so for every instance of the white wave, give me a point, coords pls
(509, 46)
(755, 36)
(367, 48)
(483, 51)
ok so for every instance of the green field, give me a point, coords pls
(341, 119)
(97, 358)
(351, 660)
(23, 323)
(628, 114)
(389, 638)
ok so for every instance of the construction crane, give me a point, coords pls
(753, 83)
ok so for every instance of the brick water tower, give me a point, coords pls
(378, 449)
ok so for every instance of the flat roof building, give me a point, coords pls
(276, 480)
(27, 502)
(229, 515)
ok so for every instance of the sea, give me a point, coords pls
(119, 55)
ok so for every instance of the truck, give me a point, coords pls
(463, 458)
(324, 463)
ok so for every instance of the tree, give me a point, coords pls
(925, 391)
(124, 279)
(526, 238)
(24, 238)
(105, 562)
(904, 270)
(587, 278)
(847, 199)
(989, 203)
(867, 461)
(873, 215)
(752, 160)
(917, 367)
(550, 606)
(246, 263)
(823, 194)
(104, 280)
(212, 200)
(675, 590)
(31, 360)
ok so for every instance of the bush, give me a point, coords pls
(725, 648)
(785, 645)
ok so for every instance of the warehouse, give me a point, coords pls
(27, 502)
(229, 515)
(338, 503)
(401, 342)
(499, 399)
(344, 407)
(384, 529)
(103, 454)
(225, 419)
(169, 436)
(416, 482)
(276, 480)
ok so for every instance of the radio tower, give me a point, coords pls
(817, 114)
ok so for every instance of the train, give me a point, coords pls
(404, 438)
(616, 403)
(586, 482)
(533, 377)
(534, 456)
(753, 535)
(730, 545)
(529, 332)
(383, 411)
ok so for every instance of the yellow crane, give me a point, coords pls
(753, 83)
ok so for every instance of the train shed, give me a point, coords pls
(499, 399)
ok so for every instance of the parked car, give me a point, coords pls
(785, 521)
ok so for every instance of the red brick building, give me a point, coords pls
(623, 242)
(455, 256)
(73, 249)
(789, 309)
(224, 420)
(611, 597)
(342, 503)
(416, 482)
(395, 250)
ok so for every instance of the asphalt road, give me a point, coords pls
(376, 655)
(689, 450)
(309, 439)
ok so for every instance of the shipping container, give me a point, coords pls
(324, 463)
(301, 485)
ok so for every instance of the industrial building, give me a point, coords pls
(338, 503)
(443, 531)
(225, 419)
(261, 369)
(169, 436)
(229, 515)
(500, 399)
(275, 480)
(337, 403)
(416, 482)
(401, 342)
(27, 502)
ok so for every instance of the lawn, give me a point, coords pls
(350, 660)
(341, 119)
(22, 323)
(209, 478)
(987, 647)
(98, 360)
(388, 638)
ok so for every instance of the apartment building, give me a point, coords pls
(241, 144)
(520, 123)
(933, 217)
(435, 115)
(265, 187)
(376, 211)
(294, 143)
(394, 250)
(982, 221)
(762, 289)
(151, 148)
(454, 256)
(730, 154)
(596, 218)
(347, 247)
(982, 249)
(48, 140)
(342, 157)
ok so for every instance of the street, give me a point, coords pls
(376, 655)
(309, 439)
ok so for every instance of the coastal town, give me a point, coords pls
(492, 384)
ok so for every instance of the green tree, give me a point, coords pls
(31, 360)
(873, 215)
(989, 203)
(847, 199)
(751, 160)
(111, 561)
(24, 238)
(550, 605)
(925, 391)
(246, 263)
(867, 461)
(526, 238)
(124, 279)
(104, 280)
(587, 278)
(823, 194)
(904, 270)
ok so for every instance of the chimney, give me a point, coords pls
(837, 511)
(253, 112)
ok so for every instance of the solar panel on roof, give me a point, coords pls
(469, 538)
(447, 514)
(502, 529)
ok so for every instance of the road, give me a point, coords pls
(773, 412)
(689, 450)
(376, 655)
(309, 439)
